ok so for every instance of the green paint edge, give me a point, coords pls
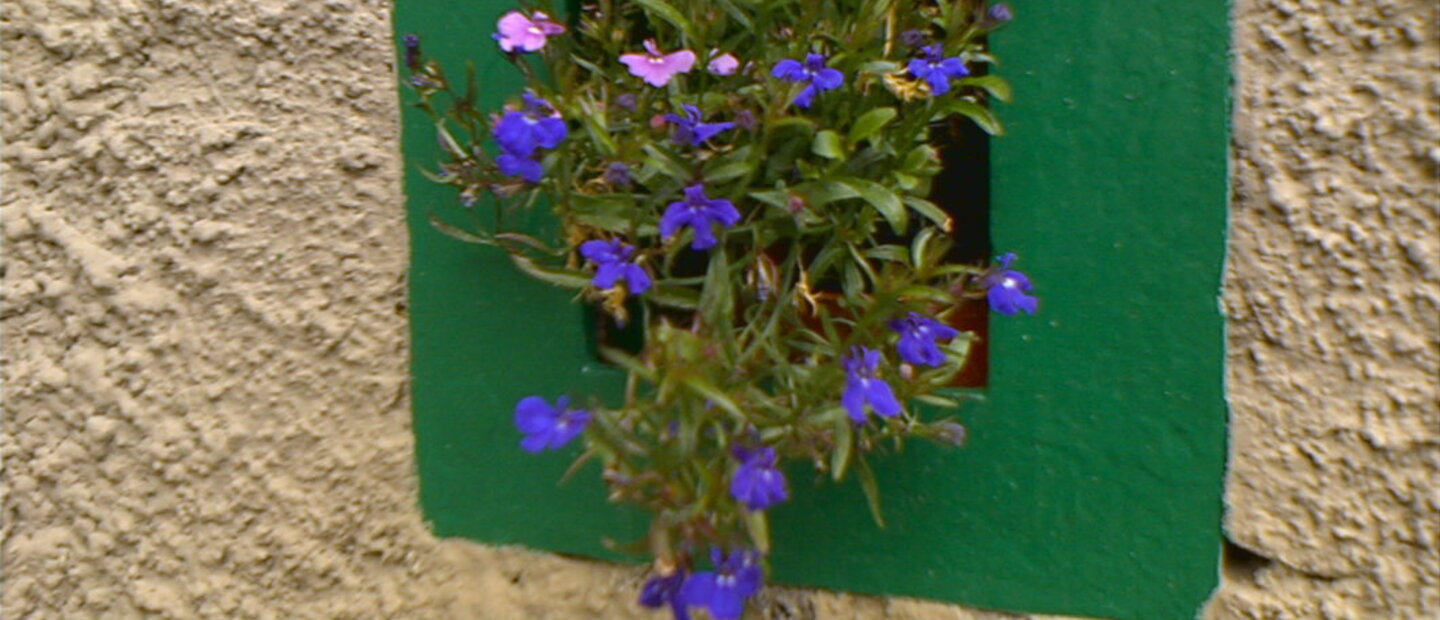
(1093, 482)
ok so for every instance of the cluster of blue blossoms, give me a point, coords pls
(756, 483)
(522, 133)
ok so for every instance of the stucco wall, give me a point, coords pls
(1333, 296)
(203, 323)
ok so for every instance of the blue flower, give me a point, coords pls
(520, 132)
(862, 387)
(612, 264)
(700, 213)
(814, 71)
(936, 70)
(546, 427)
(1006, 289)
(518, 166)
(918, 336)
(666, 591)
(689, 129)
(758, 483)
(724, 590)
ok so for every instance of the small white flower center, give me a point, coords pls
(1008, 283)
(535, 30)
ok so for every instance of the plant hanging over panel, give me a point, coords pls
(749, 180)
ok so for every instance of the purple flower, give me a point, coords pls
(655, 67)
(814, 71)
(758, 483)
(700, 213)
(526, 34)
(535, 125)
(612, 264)
(936, 70)
(546, 427)
(1006, 289)
(862, 387)
(724, 64)
(724, 590)
(627, 102)
(918, 336)
(690, 130)
(666, 590)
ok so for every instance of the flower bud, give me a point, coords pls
(914, 38)
(618, 175)
(412, 51)
(999, 15)
(949, 432)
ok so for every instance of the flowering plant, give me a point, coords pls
(751, 179)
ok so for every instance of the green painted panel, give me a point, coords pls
(1092, 484)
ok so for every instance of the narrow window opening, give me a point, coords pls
(962, 189)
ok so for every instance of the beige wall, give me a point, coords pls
(204, 325)
(1333, 295)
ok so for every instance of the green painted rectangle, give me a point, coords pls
(1092, 483)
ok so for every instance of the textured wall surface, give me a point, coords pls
(1333, 295)
(205, 406)
(203, 319)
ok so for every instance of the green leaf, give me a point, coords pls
(610, 212)
(993, 84)
(870, 123)
(456, 233)
(820, 193)
(448, 142)
(919, 248)
(975, 112)
(827, 144)
(628, 362)
(667, 163)
(844, 443)
(730, 166)
(884, 201)
(717, 299)
(680, 297)
(759, 527)
(707, 389)
(932, 212)
(871, 489)
(927, 293)
(567, 278)
(527, 240)
(922, 160)
(938, 401)
(892, 253)
(664, 11)
(879, 67)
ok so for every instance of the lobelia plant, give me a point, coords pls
(750, 177)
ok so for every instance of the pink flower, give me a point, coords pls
(525, 34)
(657, 68)
(724, 64)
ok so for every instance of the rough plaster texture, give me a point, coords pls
(203, 323)
(205, 406)
(1333, 296)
